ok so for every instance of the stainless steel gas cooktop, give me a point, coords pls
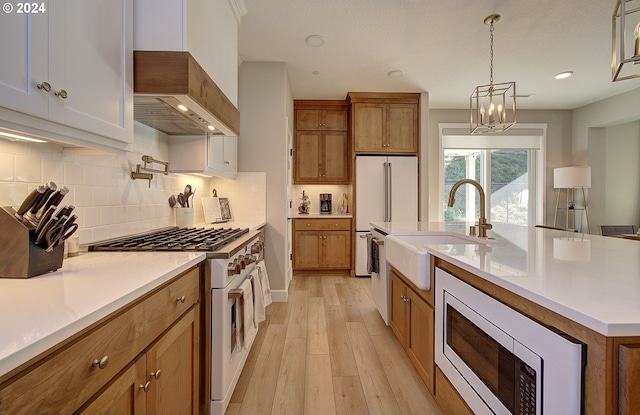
(173, 239)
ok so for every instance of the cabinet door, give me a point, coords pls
(402, 128)
(90, 59)
(336, 249)
(420, 343)
(25, 61)
(335, 157)
(306, 249)
(172, 369)
(368, 128)
(124, 396)
(399, 319)
(307, 157)
(334, 120)
(308, 120)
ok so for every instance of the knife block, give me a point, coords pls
(20, 257)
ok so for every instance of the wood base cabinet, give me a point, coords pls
(162, 381)
(321, 244)
(412, 321)
(144, 358)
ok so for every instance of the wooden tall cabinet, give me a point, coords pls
(385, 123)
(412, 321)
(321, 146)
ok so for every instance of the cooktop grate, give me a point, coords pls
(175, 239)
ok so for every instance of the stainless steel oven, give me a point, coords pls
(499, 360)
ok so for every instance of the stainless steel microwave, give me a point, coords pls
(499, 360)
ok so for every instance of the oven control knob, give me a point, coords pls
(231, 269)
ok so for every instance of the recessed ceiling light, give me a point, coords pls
(315, 73)
(315, 40)
(395, 74)
(182, 108)
(564, 75)
(211, 127)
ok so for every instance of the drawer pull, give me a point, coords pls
(181, 299)
(145, 387)
(102, 363)
(156, 374)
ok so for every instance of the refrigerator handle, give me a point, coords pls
(386, 193)
(390, 186)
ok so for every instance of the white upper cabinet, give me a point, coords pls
(214, 155)
(71, 66)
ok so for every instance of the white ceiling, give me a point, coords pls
(442, 46)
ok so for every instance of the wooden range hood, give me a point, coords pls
(164, 80)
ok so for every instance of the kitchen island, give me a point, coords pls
(585, 285)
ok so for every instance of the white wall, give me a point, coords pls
(108, 203)
(614, 157)
(603, 139)
(266, 109)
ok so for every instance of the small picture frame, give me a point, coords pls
(225, 209)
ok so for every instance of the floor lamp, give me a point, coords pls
(570, 178)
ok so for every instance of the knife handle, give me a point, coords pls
(30, 200)
(55, 198)
(50, 188)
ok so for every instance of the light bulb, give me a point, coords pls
(500, 114)
(482, 111)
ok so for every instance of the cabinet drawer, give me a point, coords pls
(343, 224)
(63, 381)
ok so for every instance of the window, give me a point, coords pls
(509, 168)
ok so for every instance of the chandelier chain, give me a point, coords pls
(491, 65)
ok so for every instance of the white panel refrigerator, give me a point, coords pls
(386, 191)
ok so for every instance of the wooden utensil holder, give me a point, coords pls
(20, 257)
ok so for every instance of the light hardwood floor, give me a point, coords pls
(327, 351)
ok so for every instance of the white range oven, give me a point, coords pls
(232, 254)
(499, 360)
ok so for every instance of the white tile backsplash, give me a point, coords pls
(108, 203)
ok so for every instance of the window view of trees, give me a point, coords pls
(509, 178)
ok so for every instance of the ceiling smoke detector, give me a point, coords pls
(315, 41)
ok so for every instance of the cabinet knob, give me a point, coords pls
(102, 363)
(62, 94)
(145, 387)
(156, 374)
(44, 86)
(308, 224)
(226, 162)
(181, 299)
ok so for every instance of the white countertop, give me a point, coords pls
(591, 279)
(40, 312)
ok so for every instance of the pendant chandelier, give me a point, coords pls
(493, 106)
(625, 57)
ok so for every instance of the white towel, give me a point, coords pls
(248, 327)
(258, 298)
(264, 280)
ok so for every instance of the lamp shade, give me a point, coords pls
(570, 177)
